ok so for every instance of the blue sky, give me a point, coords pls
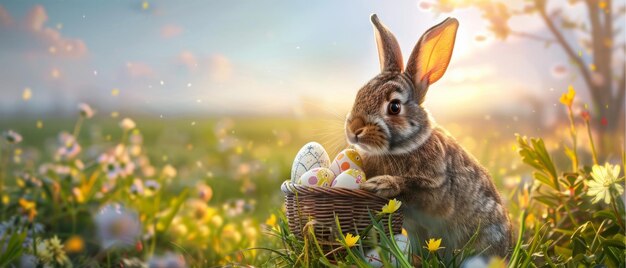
(250, 57)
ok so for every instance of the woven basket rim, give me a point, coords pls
(289, 188)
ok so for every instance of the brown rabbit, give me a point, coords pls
(446, 193)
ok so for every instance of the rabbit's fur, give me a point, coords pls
(445, 192)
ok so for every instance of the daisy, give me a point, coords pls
(85, 110)
(605, 180)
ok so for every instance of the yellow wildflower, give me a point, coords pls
(351, 240)
(568, 98)
(74, 244)
(271, 221)
(29, 207)
(433, 245)
(391, 207)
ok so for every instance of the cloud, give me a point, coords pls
(35, 38)
(218, 66)
(188, 59)
(221, 69)
(170, 31)
(5, 18)
(139, 69)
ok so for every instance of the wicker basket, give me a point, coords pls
(352, 207)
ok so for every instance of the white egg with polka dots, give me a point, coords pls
(350, 179)
(317, 177)
(346, 159)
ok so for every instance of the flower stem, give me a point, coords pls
(593, 147)
(572, 130)
(617, 215)
(77, 126)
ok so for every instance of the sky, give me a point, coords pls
(252, 57)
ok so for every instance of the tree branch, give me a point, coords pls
(567, 47)
(621, 90)
(532, 36)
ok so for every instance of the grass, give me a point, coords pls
(206, 193)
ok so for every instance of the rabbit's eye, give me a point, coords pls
(394, 107)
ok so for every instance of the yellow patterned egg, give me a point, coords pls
(310, 156)
(350, 179)
(317, 177)
(346, 159)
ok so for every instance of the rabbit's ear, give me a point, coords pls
(388, 48)
(431, 55)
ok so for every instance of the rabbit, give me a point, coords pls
(445, 192)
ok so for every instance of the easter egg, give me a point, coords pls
(346, 159)
(373, 257)
(350, 179)
(311, 155)
(402, 241)
(317, 177)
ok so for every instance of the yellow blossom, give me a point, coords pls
(29, 208)
(433, 245)
(78, 194)
(169, 171)
(391, 207)
(74, 244)
(271, 221)
(568, 98)
(351, 240)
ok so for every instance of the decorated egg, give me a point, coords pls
(311, 155)
(317, 177)
(346, 159)
(373, 258)
(350, 179)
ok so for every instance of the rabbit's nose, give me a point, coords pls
(359, 132)
(357, 124)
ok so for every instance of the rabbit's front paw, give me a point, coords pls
(384, 186)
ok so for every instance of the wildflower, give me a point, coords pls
(137, 187)
(117, 226)
(117, 163)
(78, 194)
(74, 244)
(271, 221)
(69, 147)
(152, 185)
(85, 110)
(133, 262)
(217, 220)
(12, 137)
(391, 207)
(432, 245)
(127, 124)
(169, 171)
(230, 233)
(605, 180)
(51, 253)
(351, 240)
(205, 192)
(568, 98)
(585, 115)
(29, 208)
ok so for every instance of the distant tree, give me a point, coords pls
(596, 56)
